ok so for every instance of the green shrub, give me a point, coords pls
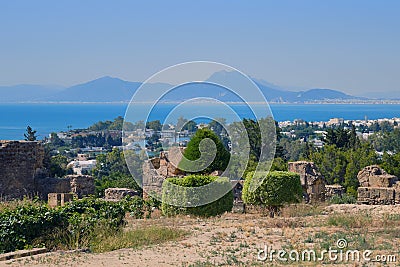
(344, 199)
(70, 226)
(192, 153)
(277, 188)
(174, 194)
(21, 225)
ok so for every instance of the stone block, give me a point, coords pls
(59, 199)
(116, 194)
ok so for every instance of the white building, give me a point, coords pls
(82, 166)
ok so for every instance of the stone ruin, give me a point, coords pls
(22, 173)
(19, 160)
(117, 194)
(377, 187)
(156, 170)
(334, 190)
(312, 181)
(80, 185)
(59, 199)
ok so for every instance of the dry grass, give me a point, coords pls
(234, 239)
(136, 238)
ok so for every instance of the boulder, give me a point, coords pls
(116, 194)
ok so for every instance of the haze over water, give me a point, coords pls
(47, 118)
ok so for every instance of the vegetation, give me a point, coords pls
(30, 134)
(136, 238)
(341, 165)
(192, 153)
(72, 226)
(344, 199)
(175, 190)
(117, 124)
(112, 171)
(276, 189)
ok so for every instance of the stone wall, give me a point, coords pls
(334, 190)
(312, 181)
(116, 194)
(80, 185)
(19, 161)
(156, 170)
(377, 187)
(22, 173)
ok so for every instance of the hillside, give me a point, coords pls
(109, 89)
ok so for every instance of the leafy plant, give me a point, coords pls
(276, 189)
(175, 190)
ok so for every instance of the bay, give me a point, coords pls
(47, 118)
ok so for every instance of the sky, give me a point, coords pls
(348, 45)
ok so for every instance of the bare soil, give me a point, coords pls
(236, 239)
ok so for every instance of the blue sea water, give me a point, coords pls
(47, 118)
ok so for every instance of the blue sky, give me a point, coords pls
(350, 45)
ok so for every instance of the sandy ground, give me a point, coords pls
(229, 240)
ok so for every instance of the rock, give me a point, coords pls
(156, 170)
(116, 194)
(80, 185)
(377, 187)
(19, 162)
(334, 190)
(59, 199)
(22, 173)
(311, 179)
(374, 176)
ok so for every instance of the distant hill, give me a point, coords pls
(105, 89)
(109, 89)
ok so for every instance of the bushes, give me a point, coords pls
(203, 160)
(179, 195)
(71, 226)
(344, 199)
(20, 226)
(276, 189)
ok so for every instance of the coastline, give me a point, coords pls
(336, 102)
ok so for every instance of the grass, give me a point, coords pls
(350, 221)
(302, 210)
(13, 204)
(134, 238)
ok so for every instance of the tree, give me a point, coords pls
(180, 123)
(354, 142)
(30, 134)
(58, 166)
(55, 140)
(112, 171)
(391, 163)
(277, 188)
(155, 125)
(177, 192)
(217, 126)
(254, 135)
(191, 126)
(193, 153)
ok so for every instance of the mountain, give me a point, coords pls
(109, 89)
(105, 89)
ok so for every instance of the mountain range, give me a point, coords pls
(109, 89)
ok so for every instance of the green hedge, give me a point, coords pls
(174, 194)
(277, 188)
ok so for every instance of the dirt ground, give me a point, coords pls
(237, 239)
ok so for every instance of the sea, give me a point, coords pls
(54, 117)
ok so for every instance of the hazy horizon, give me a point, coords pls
(348, 46)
